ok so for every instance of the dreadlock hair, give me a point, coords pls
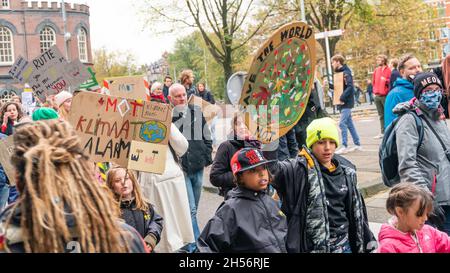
(141, 203)
(56, 181)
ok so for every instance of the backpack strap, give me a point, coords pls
(419, 125)
(437, 136)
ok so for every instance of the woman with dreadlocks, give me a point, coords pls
(61, 206)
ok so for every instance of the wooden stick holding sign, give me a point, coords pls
(338, 82)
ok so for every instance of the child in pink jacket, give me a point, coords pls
(407, 231)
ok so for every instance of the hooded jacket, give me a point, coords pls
(427, 166)
(221, 175)
(300, 185)
(149, 224)
(426, 240)
(12, 236)
(380, 80)
(403, 91)
(247, 222)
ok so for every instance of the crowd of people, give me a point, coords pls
(295, 195)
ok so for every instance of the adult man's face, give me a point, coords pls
(412, 67)
(178, 97)
(168, 82)
(335, 64)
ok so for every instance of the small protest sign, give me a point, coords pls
(6, 150)
(338, 83)
(113, 124)
(128, 87)
(209, 110)
(49, 73)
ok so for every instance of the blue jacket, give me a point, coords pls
(403, 91)
(348, 96)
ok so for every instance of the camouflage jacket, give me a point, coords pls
(300, 185)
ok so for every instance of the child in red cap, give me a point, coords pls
(249, 221)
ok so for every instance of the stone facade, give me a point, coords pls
(26, 20)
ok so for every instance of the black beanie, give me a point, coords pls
(424, 79)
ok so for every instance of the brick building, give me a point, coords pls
(29, 28)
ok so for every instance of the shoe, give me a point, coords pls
(357, 148)
(342, 150)
(380, 136)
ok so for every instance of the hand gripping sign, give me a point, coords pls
(278, 85)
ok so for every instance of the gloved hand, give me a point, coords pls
(437, 217)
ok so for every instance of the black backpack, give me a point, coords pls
(388, 150)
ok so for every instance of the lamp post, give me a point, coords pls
(66, 34)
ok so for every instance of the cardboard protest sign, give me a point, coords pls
(338, 83)
(128, 87)
(280, 80)
(209, 110)
(112, 126)
(49, 73)
(6, 150)
(91, 84)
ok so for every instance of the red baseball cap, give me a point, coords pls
(246, 159)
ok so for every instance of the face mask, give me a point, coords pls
(431, 100)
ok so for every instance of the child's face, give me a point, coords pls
(256, 179)
(12, 112)
(67, 103)
(121, 185)
(409, 219)
(324, 150)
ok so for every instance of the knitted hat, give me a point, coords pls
(155, 85)
(44, 113)
(61, 97)
(422, 80)
(321, 128)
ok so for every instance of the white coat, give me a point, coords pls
(167, 192)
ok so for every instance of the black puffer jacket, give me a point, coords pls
(207, 96)
(193, 126)
(221, 175)
(148, 223)
(248, 222)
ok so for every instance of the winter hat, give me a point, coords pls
(422, 80)
(155, 85)
(61, 97)
(246, 159)
(321, 128)
(44, 113)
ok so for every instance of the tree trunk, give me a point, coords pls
(227, 71)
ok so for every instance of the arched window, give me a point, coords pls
(48, 38)
(82, 45)
(6, 46)
(5, 4)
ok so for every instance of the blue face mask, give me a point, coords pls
(431, 99)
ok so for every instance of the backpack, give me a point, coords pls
(388, 151)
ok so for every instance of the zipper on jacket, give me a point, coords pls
(270, 222)
(416, 240)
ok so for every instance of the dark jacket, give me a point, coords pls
(395, 74)
(191, 90)
(149, 224)
(248, 222)
(14, 241)
(165, 91)
(369, 89)
(300, 185)
(193, 126)
(221, 175)
(207, 96)
(347, 97)
(287, 146)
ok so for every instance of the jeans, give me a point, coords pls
(379, 103)
(345, 123)
(4, 193)
(288, 147)
(194, 183)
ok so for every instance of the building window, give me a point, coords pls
(82, 45)
(48, 38)
(6, 46)
(5, 4)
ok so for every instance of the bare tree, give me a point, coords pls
(225, 25)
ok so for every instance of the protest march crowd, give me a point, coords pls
(297, 194)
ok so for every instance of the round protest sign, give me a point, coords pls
(277, 88)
